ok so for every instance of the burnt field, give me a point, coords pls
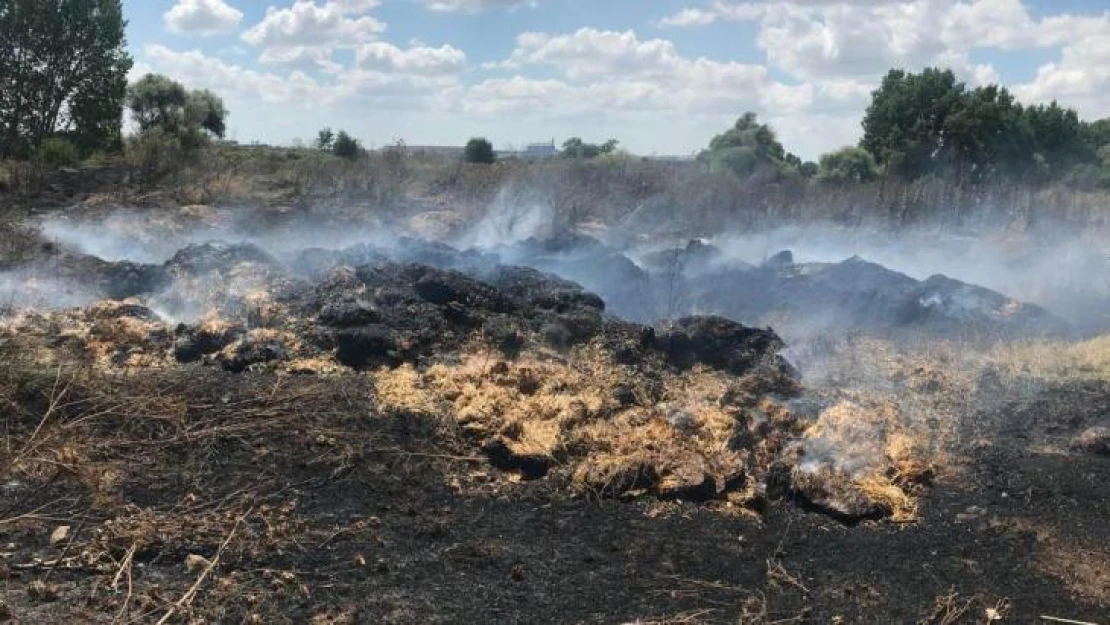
(231, 414)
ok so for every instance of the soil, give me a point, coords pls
(338, 513)
(225, 490)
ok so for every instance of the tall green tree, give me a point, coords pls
(159, 102)
(1097, 133)
(749, 147)
(985, 135)
(918, 124)
(63, 71)
(904, 126)
(1058, 139)
(747, 132)
(206, 110)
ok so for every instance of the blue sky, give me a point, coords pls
(662, 76)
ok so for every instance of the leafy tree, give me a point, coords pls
(157, 101)
(1097, 134)
(749, 147)
(985, 135)
(576, 148)
(345, 146)
(930, 122)
(1058, 139)
(808, 169)
(206, 110)
(904, 126)
(848, 164)
(747, 132)
(479, 150)
(740, 160)
(63, 69)
(325, 138)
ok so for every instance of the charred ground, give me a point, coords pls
(406, 432)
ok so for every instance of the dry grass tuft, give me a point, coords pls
(615, 431)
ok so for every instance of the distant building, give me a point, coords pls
(541, 150)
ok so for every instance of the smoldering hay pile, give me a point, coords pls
(530, 367)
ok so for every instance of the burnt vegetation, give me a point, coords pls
(334, 385)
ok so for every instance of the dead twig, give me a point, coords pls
(776, 572)
(1068, 621)
(56, 397)
(187, 598)
(65, 550)
(125, 565)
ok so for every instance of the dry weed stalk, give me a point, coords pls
(948, 609)
(187, 598)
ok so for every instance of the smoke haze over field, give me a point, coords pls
(1067, 274)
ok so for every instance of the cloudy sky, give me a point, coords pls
(663, 76)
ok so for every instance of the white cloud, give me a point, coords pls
(197, 70)
(689, 17)
(307, 23)
(821, 59)
(303, 58)
(1080, 79)
(822, 40)
(843, 40)
(475, 6)
(610, 72)
(356, 7)
(719, 10)
(418, 59)
(589, 52)
(202, 17)
(1007, 24)
(248, 88)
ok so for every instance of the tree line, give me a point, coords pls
(63, 91)
(932, 124)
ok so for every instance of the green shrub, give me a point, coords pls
(739, 160)
(848, 164)
(479, 150)
(345, 146)
(155, 152)
(56, 152)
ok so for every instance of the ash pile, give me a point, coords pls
(527, 367)
(799, 299)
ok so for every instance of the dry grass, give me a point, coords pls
(606, 425)
(1057, 360)
(871, 444)
(83, 446)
